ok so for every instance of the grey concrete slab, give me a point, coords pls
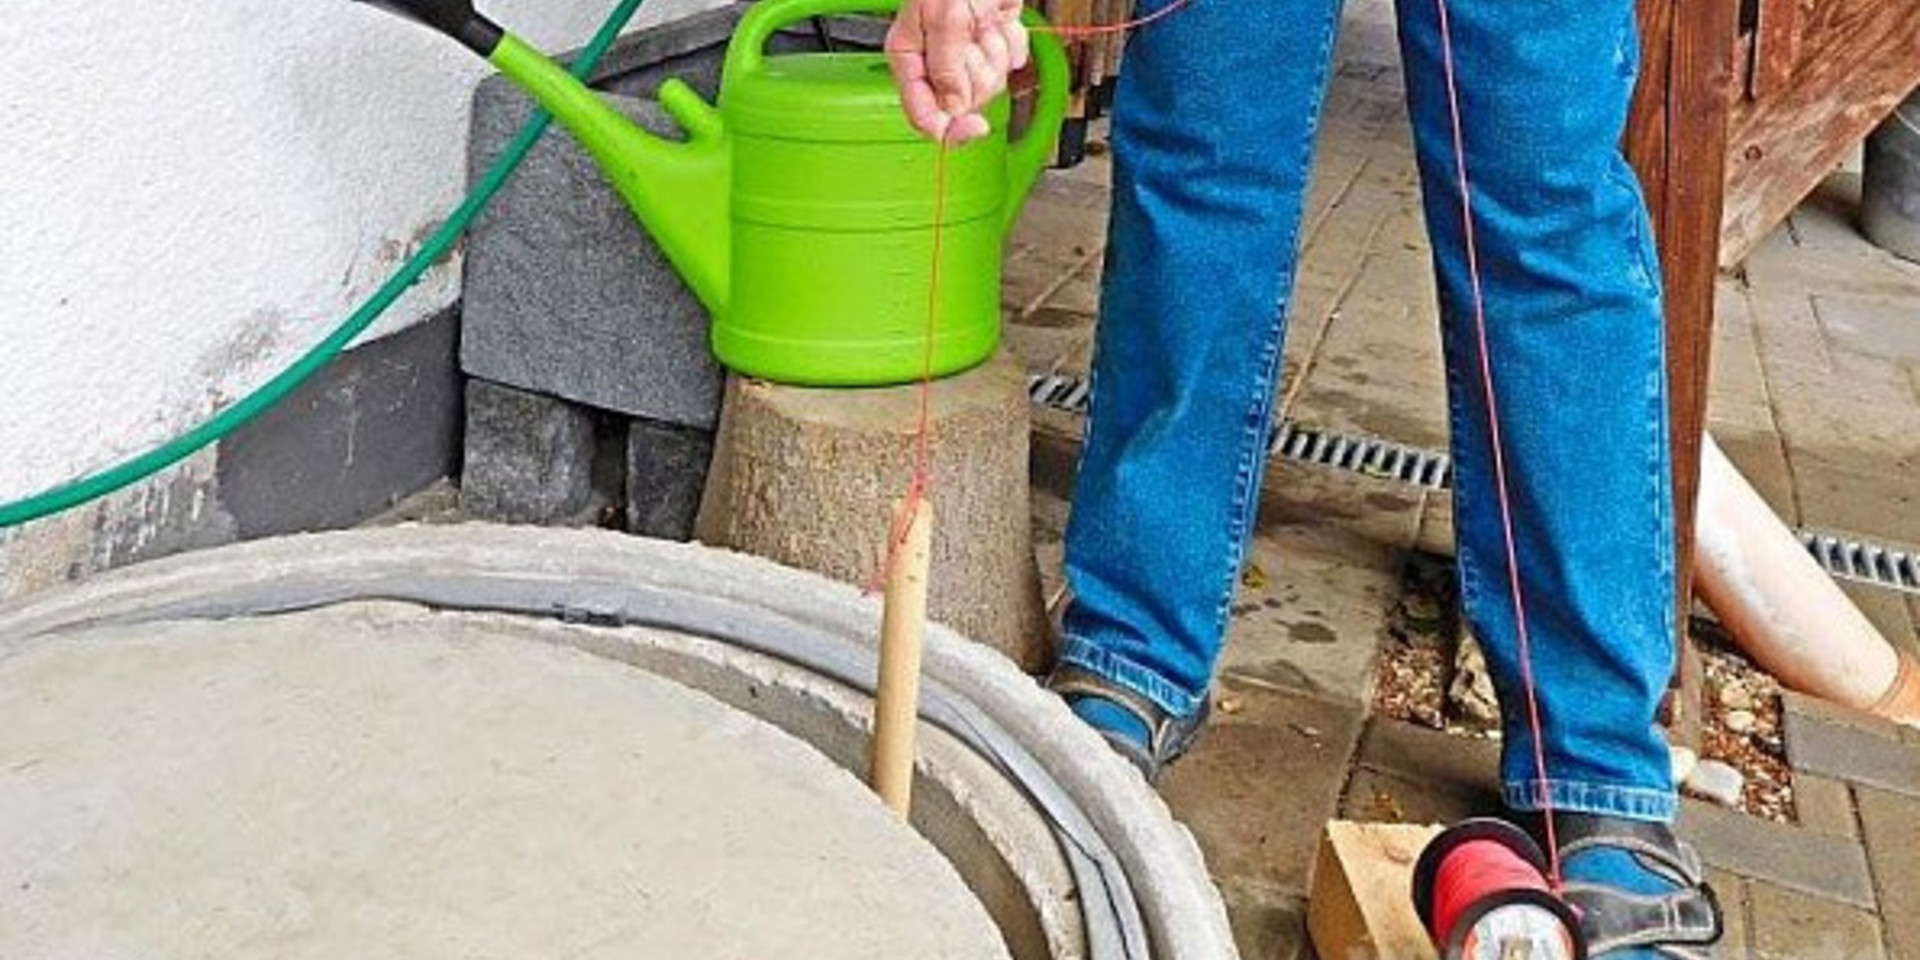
(374, 426)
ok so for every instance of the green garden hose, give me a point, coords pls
(93, 486)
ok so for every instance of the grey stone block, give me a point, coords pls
(666, 475)
(564, 293)
(529, 457)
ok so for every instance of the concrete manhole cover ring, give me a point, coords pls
(1124, 881)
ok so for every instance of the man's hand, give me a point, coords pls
(950, 57)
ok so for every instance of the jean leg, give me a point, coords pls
(1574, 343)
(1213, 130)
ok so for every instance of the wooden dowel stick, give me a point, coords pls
(903, 626)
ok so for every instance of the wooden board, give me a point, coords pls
(1676, 141)
(1361, 907)
(1850, 64)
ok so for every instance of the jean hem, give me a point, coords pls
(1082, 653)
(1600, 799)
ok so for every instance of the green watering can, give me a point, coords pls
(801, 212)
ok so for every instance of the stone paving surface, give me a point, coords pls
(1815, 396)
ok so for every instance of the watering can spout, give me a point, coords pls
(678, 190)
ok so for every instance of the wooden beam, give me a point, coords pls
(1676, 140)
(1856, 60)
(1776, 46)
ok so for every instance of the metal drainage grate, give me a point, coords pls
(1864, 562)
(1852, 559)
(1368, 456)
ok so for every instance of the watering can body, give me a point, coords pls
(802, 210)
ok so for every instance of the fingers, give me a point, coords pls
(906, 55)
(1019, 44)
(949, 27)
(950, 57)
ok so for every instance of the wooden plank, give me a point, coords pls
(1701, 90)
(1361, 906)
(1776, 47)
(1858, 59)
(1646, 139)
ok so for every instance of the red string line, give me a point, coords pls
(1499, 456)
(921, 480)
(1106, 29)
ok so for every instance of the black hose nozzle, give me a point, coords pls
(455, 18)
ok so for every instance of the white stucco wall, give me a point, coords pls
(193, 193)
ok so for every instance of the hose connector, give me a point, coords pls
(455, 18)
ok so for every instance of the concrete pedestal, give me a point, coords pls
(805, 477)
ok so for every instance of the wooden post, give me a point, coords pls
(903, 628)
(1677, 141)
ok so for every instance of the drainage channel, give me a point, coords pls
(1849, 558)
(1369, 456)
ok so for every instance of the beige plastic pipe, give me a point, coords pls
(1783, 609)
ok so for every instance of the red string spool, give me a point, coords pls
(1481, 891)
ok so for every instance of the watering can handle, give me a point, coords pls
(1026, 157)
(767, 17)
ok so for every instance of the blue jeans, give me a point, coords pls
(1213, 135)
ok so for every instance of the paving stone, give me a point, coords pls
(1379, 796)
(1857, 419)
(1040, 347)
(529, 457)
(566, 295)
(1881, 506)
(1311, 612)
(1824, 805)
(1435, 535)
(1864, 752)
(1374, 384)
(1784, 326)
(1262, 780)
(1892, 826)
(1421, 753)
(1380, 510)
(1736, 912)
(1405, 773)
(1079, 293)
(1265, 926)
(1790, 857)
(1876, 327)
(1792, 925)
(666, 474)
